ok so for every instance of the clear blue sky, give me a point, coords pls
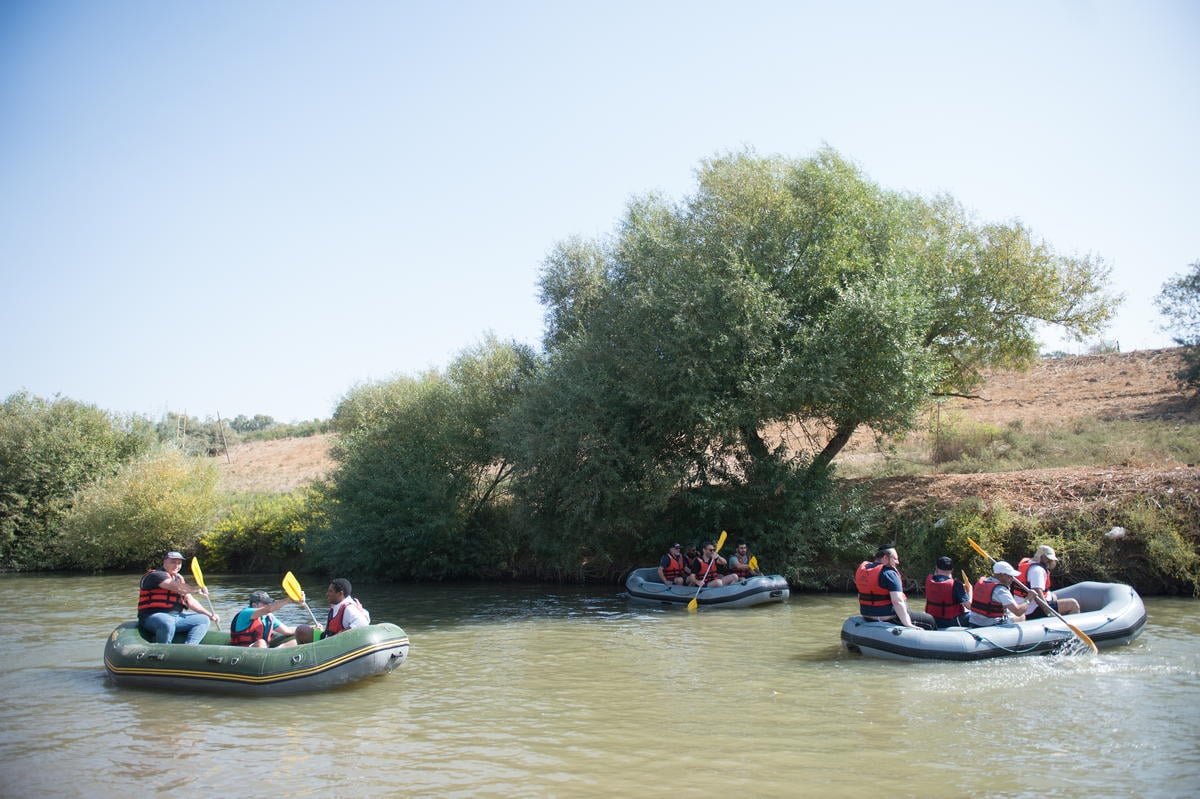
(251, 207)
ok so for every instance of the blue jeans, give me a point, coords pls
(163, 626)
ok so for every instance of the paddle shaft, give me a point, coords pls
(292, 587)
(696, 599)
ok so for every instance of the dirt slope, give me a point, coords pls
(1133, 385)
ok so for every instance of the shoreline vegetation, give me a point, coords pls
(1094, 454)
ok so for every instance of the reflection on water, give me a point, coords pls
(546, 691)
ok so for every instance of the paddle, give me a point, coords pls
(695, 603)
(754, 563)
(198, 576)
(292, 587)
(1044, 605)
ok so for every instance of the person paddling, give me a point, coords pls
(345, 613)
(166, 605)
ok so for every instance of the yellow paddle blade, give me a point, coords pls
(979, 549)
(966, 579)
(292, 587)
(1082, 637)
(754, 562)
(693, 604)
(721, 540)
(196, 573)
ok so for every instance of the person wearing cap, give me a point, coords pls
(739, 561)
(255, 625)
(1034, 573)
(166, 605)
(881, 594)
(672, 569)
(706, 569)
(345, 613)
(946, 599)
(992, 601)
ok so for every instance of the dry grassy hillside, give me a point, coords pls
(1135, 385)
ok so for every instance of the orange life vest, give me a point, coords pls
(675, 568)
(981, 599)
(873, 600)
(939, 598)
(742, 568)
(1023, 572)
(159, 599)
(699, 567)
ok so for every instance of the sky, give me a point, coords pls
(226, 208)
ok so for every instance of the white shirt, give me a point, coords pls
(1037, 579)
(355, 616)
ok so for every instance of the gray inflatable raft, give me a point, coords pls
(1111, 614)
(644, 587)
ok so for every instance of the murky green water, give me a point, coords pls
(545, 691)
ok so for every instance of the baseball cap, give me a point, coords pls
(173, 555)
(944, 562)
(674, 546)
(1046, 552)
(1004, 567)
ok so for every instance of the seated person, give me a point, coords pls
(992, 601)
(256, 625)
(706, 569)
(672, 569)
(1035, 574)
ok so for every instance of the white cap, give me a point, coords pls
(1004, 567)
(1045, 552)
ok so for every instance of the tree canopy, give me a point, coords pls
(1179, 301)
(781, 289)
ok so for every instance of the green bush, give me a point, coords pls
(49, 449)
(162, 501)
(264, 533)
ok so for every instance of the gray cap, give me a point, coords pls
(261, 598)
(173, 555)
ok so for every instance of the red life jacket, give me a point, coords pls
(939, 598)
(254, 631)
(675, 569)
(981, 599)
(1023, 571)
(159, 599)
(698, 568)
(333, 624)
(742, 568)
(873, 600)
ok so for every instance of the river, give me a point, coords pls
(546, 691)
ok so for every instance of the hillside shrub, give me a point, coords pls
(264, 532)
(1151, 543)
(161, 501)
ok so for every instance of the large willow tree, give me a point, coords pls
(780, 290)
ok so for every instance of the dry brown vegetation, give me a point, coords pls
(1135, 386)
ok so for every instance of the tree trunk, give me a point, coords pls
(841, 437)
(754, 444)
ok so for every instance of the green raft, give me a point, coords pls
(215, 666)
